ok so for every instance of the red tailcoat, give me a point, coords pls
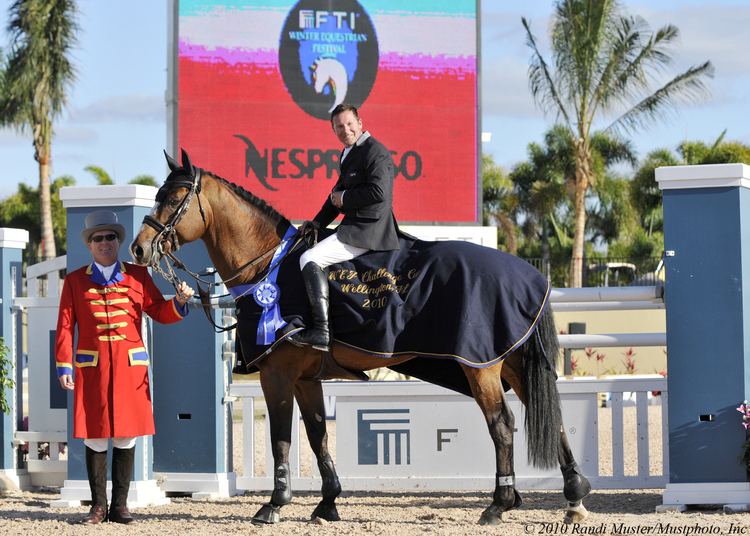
(112, 395)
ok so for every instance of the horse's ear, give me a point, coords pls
(186, 165)
(171, 162)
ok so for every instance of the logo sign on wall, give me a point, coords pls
(328, 57)
(383, 437)
(257, 80)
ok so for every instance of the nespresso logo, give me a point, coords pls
(273, 167)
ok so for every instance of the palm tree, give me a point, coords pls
(540, 184)
(37, 74)
(604, 62)
(146, 180)
(498, 202)
(545, 187)
(101, 176)
(21, 210)
(644, 191)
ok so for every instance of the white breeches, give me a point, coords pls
(330, 251)
(101, 444)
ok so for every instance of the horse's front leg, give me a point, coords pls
(278, 392)
(309, 395)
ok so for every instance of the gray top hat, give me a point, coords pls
(102, 220)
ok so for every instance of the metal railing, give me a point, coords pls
(603, 271)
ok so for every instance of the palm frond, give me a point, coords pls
(687, 86)
(541, 83)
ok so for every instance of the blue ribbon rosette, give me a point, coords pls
(267, 293)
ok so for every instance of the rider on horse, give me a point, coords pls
(364, 195)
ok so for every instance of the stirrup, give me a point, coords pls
(301, 338)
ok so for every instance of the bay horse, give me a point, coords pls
(239, 230)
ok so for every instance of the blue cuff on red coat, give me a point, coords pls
(181, 309)
(64, 369)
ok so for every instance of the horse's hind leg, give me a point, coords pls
(575, 485)
(309, 395)
(487, 389)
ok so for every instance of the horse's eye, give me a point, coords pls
(173, 202)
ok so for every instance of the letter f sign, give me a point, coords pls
(443, 436)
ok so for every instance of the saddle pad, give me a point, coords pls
(447, 300)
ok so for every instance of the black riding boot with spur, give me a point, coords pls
(96, 467)
(122, 472)
(316, 285)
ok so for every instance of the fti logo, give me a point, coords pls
(383, 437)
(328, 56)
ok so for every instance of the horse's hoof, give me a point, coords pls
(267, 515)
(326, 511)
(576, 513)
(576, 486)
(491, 516)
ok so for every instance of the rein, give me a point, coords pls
(167, 232)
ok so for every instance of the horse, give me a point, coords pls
(195, 204)
(328, 71)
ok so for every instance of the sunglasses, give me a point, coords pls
(108, 237)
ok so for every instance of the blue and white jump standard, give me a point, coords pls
(190, 451)
(12, 244)
(130, 203)
(707, 295)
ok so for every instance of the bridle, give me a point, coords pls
(167, 232)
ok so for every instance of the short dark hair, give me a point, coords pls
(343, 107)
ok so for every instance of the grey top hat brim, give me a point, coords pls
(116, 228)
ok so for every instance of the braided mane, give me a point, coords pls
(257, 202)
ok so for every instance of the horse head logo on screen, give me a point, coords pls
(329, 73)
(328, 57)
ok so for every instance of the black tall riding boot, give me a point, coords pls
(122, 472)
(316, 285)
(96, 467)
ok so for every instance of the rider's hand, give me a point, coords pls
(309, 232)
(308, 226)
(337, 199)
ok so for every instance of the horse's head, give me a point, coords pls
(177, 217)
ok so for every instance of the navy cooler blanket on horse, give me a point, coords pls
(449, 299)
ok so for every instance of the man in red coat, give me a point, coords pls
(112, 399)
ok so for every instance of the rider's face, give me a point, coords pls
(347, 127)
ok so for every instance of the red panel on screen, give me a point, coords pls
(237, 119)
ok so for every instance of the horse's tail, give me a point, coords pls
(543, 417)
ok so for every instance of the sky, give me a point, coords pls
(116, 117)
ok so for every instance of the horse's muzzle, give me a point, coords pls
(140, 255)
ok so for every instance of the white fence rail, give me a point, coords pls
(47, 418)
(609, 299)
(440, 440)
